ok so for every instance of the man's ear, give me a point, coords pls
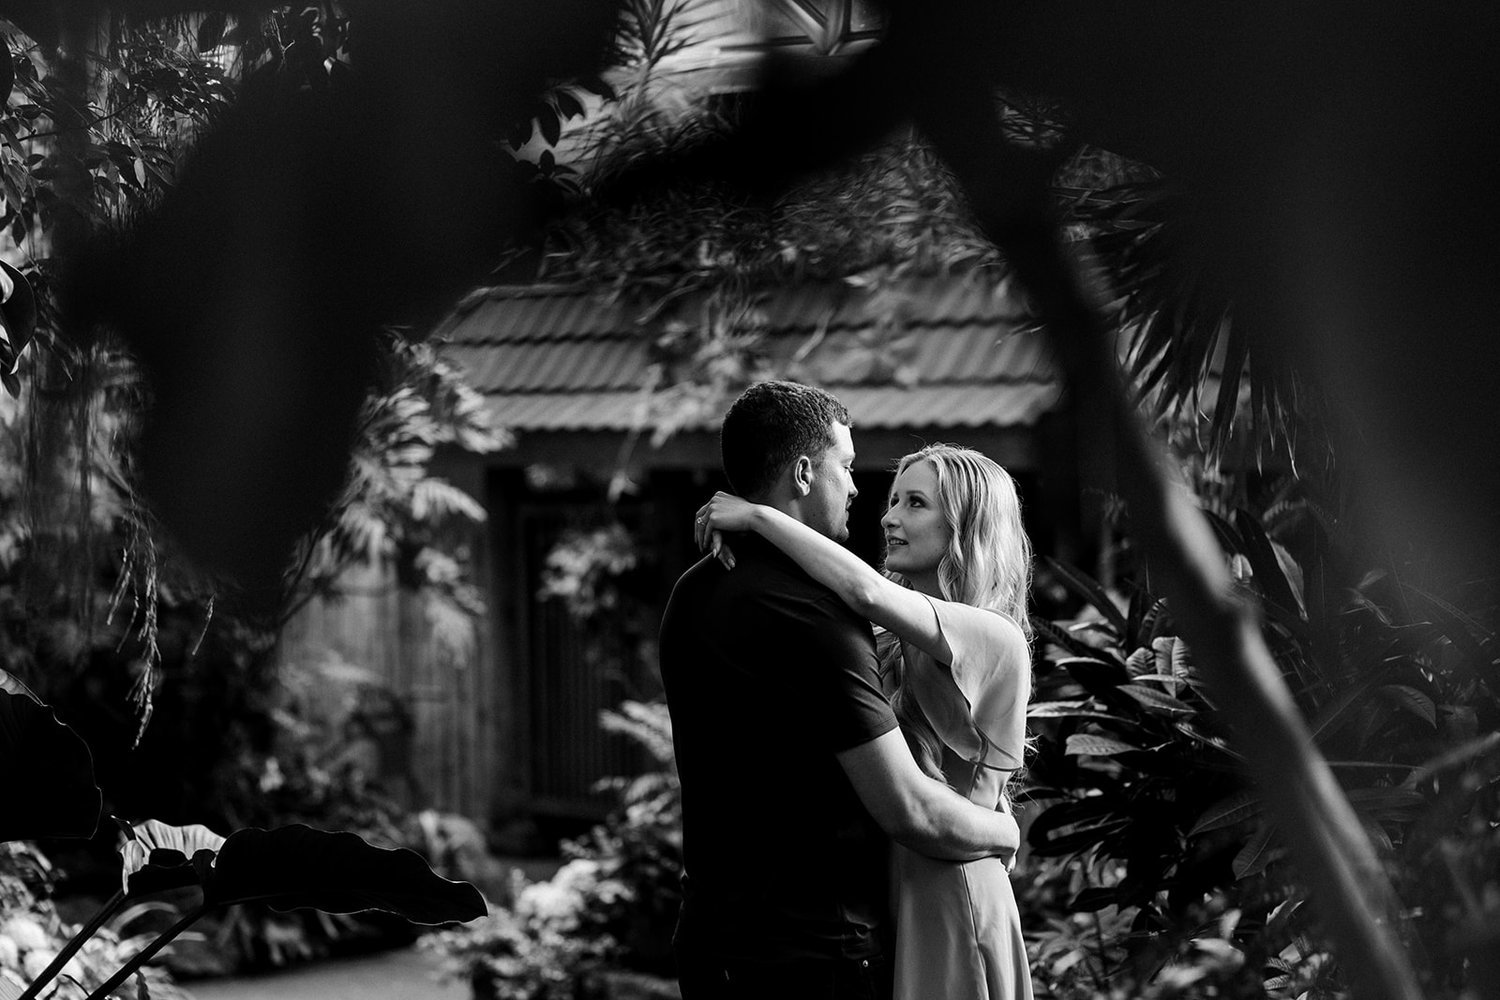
(802, 475)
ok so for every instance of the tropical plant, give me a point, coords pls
(288, 867)
(1136, 779)
(392, 507)
(611, 907)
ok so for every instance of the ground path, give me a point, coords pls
(402, 974)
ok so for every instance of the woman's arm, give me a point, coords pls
(902, 611)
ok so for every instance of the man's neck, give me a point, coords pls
(787, 505)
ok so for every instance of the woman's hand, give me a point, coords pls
(724, 512)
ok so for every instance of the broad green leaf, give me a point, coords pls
(1054, 709)
(1280, 916)
(1163, 647)
(1140, 661)
(1156, 701)
(1268, 569)
(1392, 802)
(1227, 812)
(1182, 664)
(49, 788)
(1078, 838)
(1255, 855)
(1070, 710)
(548, 122)
(296, 866)
(1088, 589)
(1094, 898)
(1156, 621)
(1157, 678)
(155, 856)
(1336, 714)
(1413, 701)
(1216, 743)
(1096, 746)
(1094, 674)
(1379, 837)
(568, 105)
(1062, 638)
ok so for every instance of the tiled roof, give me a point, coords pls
(930, 352)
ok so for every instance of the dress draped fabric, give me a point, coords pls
(958, 930)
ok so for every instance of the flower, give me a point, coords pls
(10, 953)
(27, 934)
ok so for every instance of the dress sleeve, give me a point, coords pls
(991, 677)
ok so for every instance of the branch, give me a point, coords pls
(949, 79)
(1322, 829)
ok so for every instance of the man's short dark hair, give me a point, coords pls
(770, 425)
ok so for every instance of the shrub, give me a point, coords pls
(1158, 872)
(611, 906)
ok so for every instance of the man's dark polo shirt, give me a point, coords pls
(768, 675)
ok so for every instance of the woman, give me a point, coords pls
(952, 635)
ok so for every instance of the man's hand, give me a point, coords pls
(922, 813)
(1009, 855)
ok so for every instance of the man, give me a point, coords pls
(793, 771)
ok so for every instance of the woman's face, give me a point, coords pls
(916, 533)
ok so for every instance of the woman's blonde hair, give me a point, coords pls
(987, 565)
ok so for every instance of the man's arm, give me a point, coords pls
(920, 812)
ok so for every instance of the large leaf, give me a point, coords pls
(1061, 637)
(1069, 710)
(1335, 715)
(1076, 824)
(296, 866)
(155, 856)
(1390, 803)
(1255, 855)
(1418, 703)
(1055, 709)
(1471, 638)
(1156, 701)
(1096, 676)
(1095, 898)
(49, 788)
(1096, 746)
(1268, 572)
(1085, 587)
(1227, 812)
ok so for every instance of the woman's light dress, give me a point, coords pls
(958, 930)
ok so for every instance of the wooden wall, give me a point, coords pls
(378, 626)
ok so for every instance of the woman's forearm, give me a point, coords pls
(855, 582)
